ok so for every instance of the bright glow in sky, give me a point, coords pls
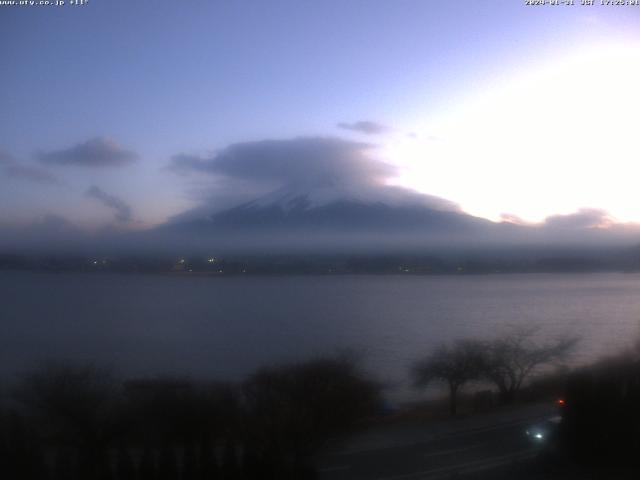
(558, 137)
(517, 110)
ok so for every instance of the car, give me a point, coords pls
(544, 431)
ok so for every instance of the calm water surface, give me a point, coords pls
(225, 327)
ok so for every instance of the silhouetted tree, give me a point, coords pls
(207, 459)
(147, 470)
(72, 406)
(510, 359)
(179, 410)
(71, 403)
(23, 451)
(601, 417)
(230, 468)
(92, 428)
(64, 467)
(190, 462)
(167, 463)
(455, 365)
(125, 468)
(293, 410)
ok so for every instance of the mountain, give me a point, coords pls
(391, 210)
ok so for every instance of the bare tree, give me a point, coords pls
(455, 365)
(292, 410)
(72, 402)
(510, 359)
(74, 406)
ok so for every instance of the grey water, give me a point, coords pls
(227, 327)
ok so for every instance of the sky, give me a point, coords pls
(126, 114)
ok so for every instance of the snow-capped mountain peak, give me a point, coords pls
(300, 198)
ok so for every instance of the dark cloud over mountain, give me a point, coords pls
(320, 169)
(305, 160)
(97, 152)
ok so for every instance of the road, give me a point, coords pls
(459, 447)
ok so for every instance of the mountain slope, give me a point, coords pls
(333, 214)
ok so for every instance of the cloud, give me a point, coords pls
(323, 169)
(314, 161)
(97, 152)
(11, 168)
(122, 211)
(31, 174)
(513, 218)
(365, 126)
(584, 218)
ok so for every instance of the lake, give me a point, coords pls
(226, 327)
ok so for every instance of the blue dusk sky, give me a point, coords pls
(128, 113)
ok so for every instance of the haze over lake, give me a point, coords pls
(226, 327)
